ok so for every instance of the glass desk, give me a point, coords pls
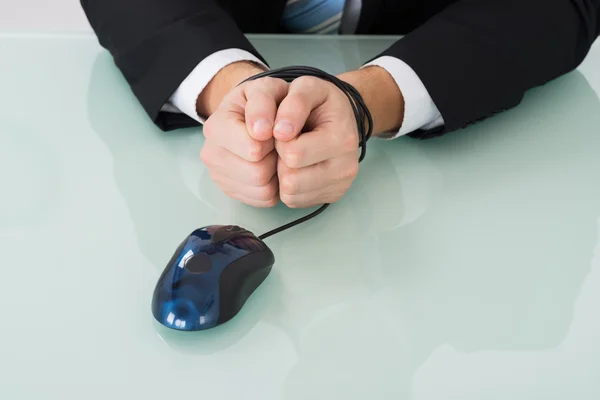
(464, 267)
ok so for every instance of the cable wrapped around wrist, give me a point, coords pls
(364, 120)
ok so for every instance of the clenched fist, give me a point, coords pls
(268, 140)
(319, 165)
(239, 150)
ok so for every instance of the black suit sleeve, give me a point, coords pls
(157, 43)
(478, 57)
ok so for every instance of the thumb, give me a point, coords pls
(304, 95)
(262, 97)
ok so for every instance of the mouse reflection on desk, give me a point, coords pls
(210, 277)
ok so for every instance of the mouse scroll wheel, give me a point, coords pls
(227, 232)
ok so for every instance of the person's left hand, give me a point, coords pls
(316, 139)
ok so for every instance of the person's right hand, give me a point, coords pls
(239, 151)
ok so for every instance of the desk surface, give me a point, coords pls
(465, 267)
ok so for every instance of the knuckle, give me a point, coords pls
(269, 84)
(341, 170)
(308, 82)
(349, 141)
(255, 150)
(289, 184)
(253, 84)
(268, 192)
(292, 157)
(349, 172)
(289, 200)
(272, 202)
(352, 170)
(260, 175)
(279, 83)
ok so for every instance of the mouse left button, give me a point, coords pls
(198, 264)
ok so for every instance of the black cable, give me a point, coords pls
(294, 223)
(364, 121)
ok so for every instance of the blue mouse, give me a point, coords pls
(210, 277)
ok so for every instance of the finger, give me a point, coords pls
(330, 194)
(294, 181)
(326, 142)
(264, 193)
(221, 161)
(252, 202)
(228, 130)
(304, 95)
(262, 98)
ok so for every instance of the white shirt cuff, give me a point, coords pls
(184, 98)
(420, 112)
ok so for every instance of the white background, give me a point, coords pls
(56, 16)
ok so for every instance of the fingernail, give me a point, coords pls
(284, 128)
(261, 126)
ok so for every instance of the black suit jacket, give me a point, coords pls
(475, 57)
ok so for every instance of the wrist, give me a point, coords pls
(381, 95)
(226, 79)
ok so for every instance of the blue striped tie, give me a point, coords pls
(313, 16)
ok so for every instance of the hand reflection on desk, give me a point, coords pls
(458, 241)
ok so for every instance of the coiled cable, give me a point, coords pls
(364, 120)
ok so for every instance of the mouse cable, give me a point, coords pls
(364, 120)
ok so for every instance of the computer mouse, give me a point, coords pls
(209, 278)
